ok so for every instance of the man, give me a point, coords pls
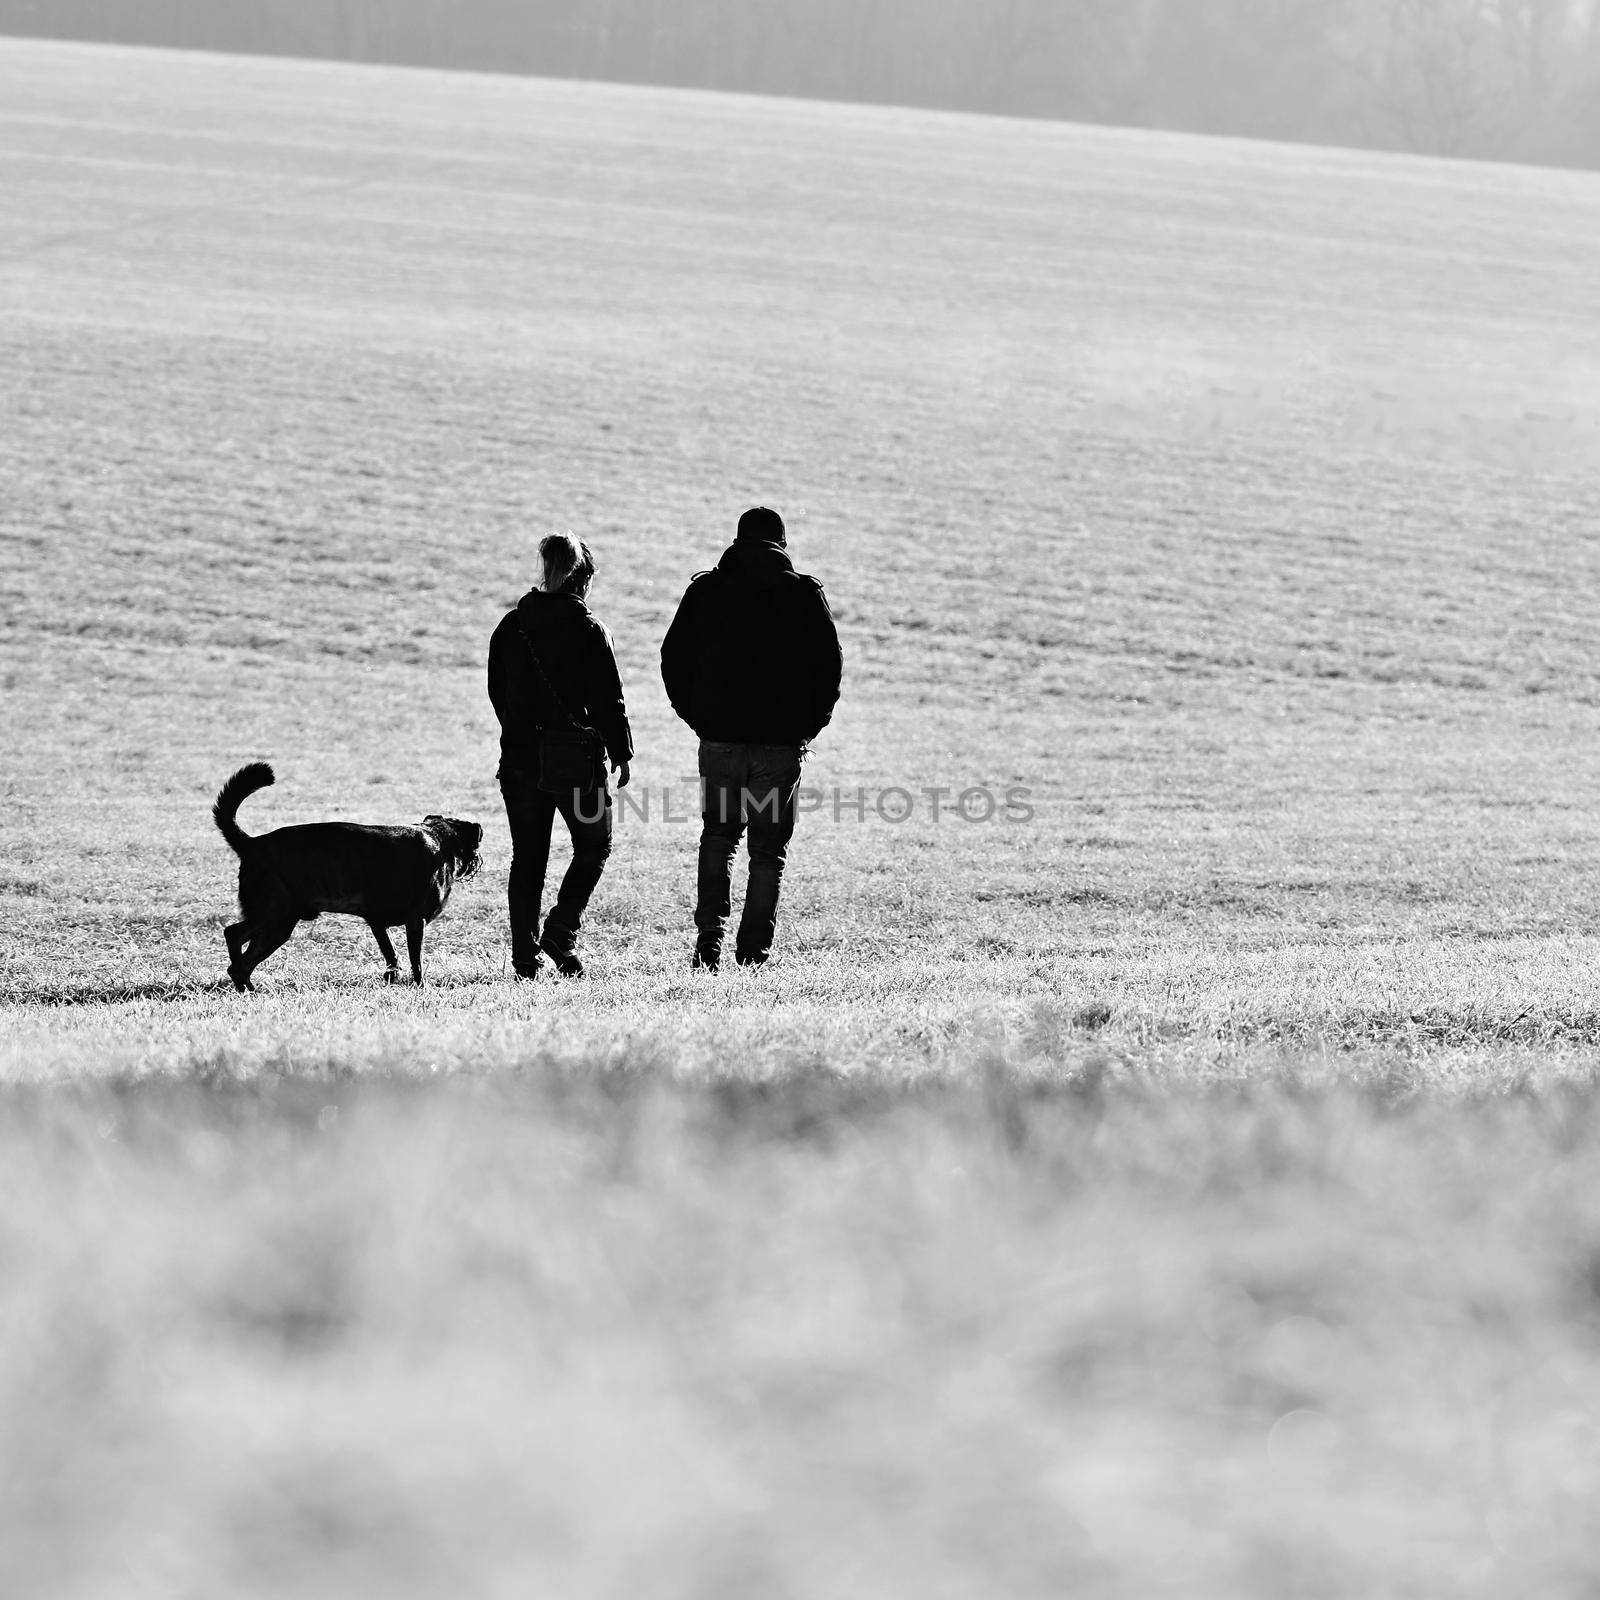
(752, 663)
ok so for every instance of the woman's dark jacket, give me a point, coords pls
(752, 656)
(576, 653)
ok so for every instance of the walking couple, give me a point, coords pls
(751, 662)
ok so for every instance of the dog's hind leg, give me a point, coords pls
(391, 972)
(271, 935)
(414, 947)
(236, 933)
(261, 907)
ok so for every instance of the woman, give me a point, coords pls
(552, 678)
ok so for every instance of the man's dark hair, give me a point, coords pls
(759, 522)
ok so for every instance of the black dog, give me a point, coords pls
(385, 876)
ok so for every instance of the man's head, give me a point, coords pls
(762, 526)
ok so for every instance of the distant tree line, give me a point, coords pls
(1517, 79)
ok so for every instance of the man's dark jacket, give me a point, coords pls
(752, 656)
(576, 653)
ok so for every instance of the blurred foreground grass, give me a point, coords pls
(1044, 1327)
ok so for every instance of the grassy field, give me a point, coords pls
(1190, 1190)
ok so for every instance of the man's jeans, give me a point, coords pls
(750, 785)
(531, 813)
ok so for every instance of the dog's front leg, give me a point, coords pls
(391, 966)
(414, 947)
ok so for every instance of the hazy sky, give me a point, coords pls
(1517, 79)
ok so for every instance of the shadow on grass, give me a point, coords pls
(109, 994)
(95, 993)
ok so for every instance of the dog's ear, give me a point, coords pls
(458, 838)
(443, 832)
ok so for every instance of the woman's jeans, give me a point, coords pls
(752, 785)
(531, 813)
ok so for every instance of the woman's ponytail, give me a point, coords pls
(568, 565)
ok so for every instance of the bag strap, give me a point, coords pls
(544, 678)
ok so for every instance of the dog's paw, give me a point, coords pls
(241, 981)
(391, 975)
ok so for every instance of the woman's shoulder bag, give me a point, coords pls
(573, 758)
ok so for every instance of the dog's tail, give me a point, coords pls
(232, 795)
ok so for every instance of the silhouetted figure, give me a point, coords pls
(552, 679)
(752, 663)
